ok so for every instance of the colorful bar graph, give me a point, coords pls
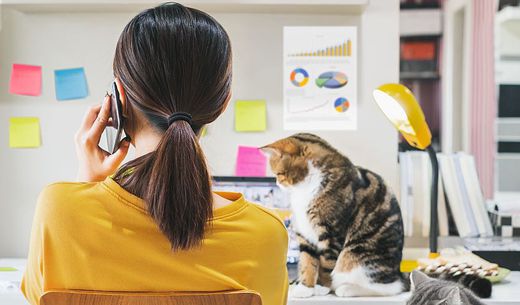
(344, 49)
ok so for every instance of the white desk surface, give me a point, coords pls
(507, 292)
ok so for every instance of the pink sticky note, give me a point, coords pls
(26, 80)
(251, 162)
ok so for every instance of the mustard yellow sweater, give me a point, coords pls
(97, 236)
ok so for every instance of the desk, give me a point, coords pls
(505, 293)
(10, 293)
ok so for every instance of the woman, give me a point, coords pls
(155, 225)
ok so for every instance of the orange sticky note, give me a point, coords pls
(26, 80)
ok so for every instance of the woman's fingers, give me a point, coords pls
(100, 123)
(113, 161)
(90, 117)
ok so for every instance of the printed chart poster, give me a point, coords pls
(320, 78)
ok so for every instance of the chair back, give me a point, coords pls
(82, 297)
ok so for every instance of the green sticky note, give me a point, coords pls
(24, 132)
(5, 269)
(250, 115)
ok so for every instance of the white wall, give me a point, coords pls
(62, 40)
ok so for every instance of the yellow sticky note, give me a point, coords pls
(24, 132)
(250, 115)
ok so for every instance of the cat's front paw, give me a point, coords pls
(321, 290)
(301, 291)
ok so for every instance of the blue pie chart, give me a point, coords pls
(332, 80)
(341, 104)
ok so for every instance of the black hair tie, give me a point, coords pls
(179, 116)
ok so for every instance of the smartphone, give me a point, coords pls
(114, 131)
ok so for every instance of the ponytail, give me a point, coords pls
(175, 183)
(178, 192)
(173, 58)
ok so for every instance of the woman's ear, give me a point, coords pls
(122, 94)
(128, 118)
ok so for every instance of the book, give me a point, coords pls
(476, 197)
(453, 194)
(442, 214)
(421, 194)
(469, 214)
(406, 197)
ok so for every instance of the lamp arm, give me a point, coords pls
(434, 225)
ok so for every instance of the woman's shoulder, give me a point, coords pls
(64, 190)
(268, 214)
(59, 198)
(269, 221)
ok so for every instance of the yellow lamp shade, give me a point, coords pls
(400, 106)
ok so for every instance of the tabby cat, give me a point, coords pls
(347, 220)
(429, 291)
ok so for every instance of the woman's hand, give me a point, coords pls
(95, 164)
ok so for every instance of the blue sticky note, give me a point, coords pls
(70, 84)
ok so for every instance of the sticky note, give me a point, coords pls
(6, 269)
(24, 132)
(203, 131)
(250, 115)
(26, 80)
(251, 162)
(70, 84)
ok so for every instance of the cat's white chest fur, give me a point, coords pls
(301, 195)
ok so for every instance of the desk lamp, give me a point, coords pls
(402, 109)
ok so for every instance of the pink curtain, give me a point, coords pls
(483, 104)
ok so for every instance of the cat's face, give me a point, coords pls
(288, 161)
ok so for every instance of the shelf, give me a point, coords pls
(500, 120)
(508, 138)
(426, 75)
(507, 31)
(219, 6)
(423, 242)
(508, 156)
(416, 6)
(509, 17)
(412, 22)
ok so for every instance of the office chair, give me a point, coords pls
(83, 297)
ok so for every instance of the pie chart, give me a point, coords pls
(299, 77)
(341, 104)
(332, 80)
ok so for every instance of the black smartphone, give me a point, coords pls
(114, 131)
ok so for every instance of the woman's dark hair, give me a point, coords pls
(171, 59)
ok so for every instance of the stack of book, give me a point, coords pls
(461, 204)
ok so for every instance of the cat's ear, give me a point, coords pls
(304, 150)
(269, 151)
(417, 277)
(280, 147)
(454, 297)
